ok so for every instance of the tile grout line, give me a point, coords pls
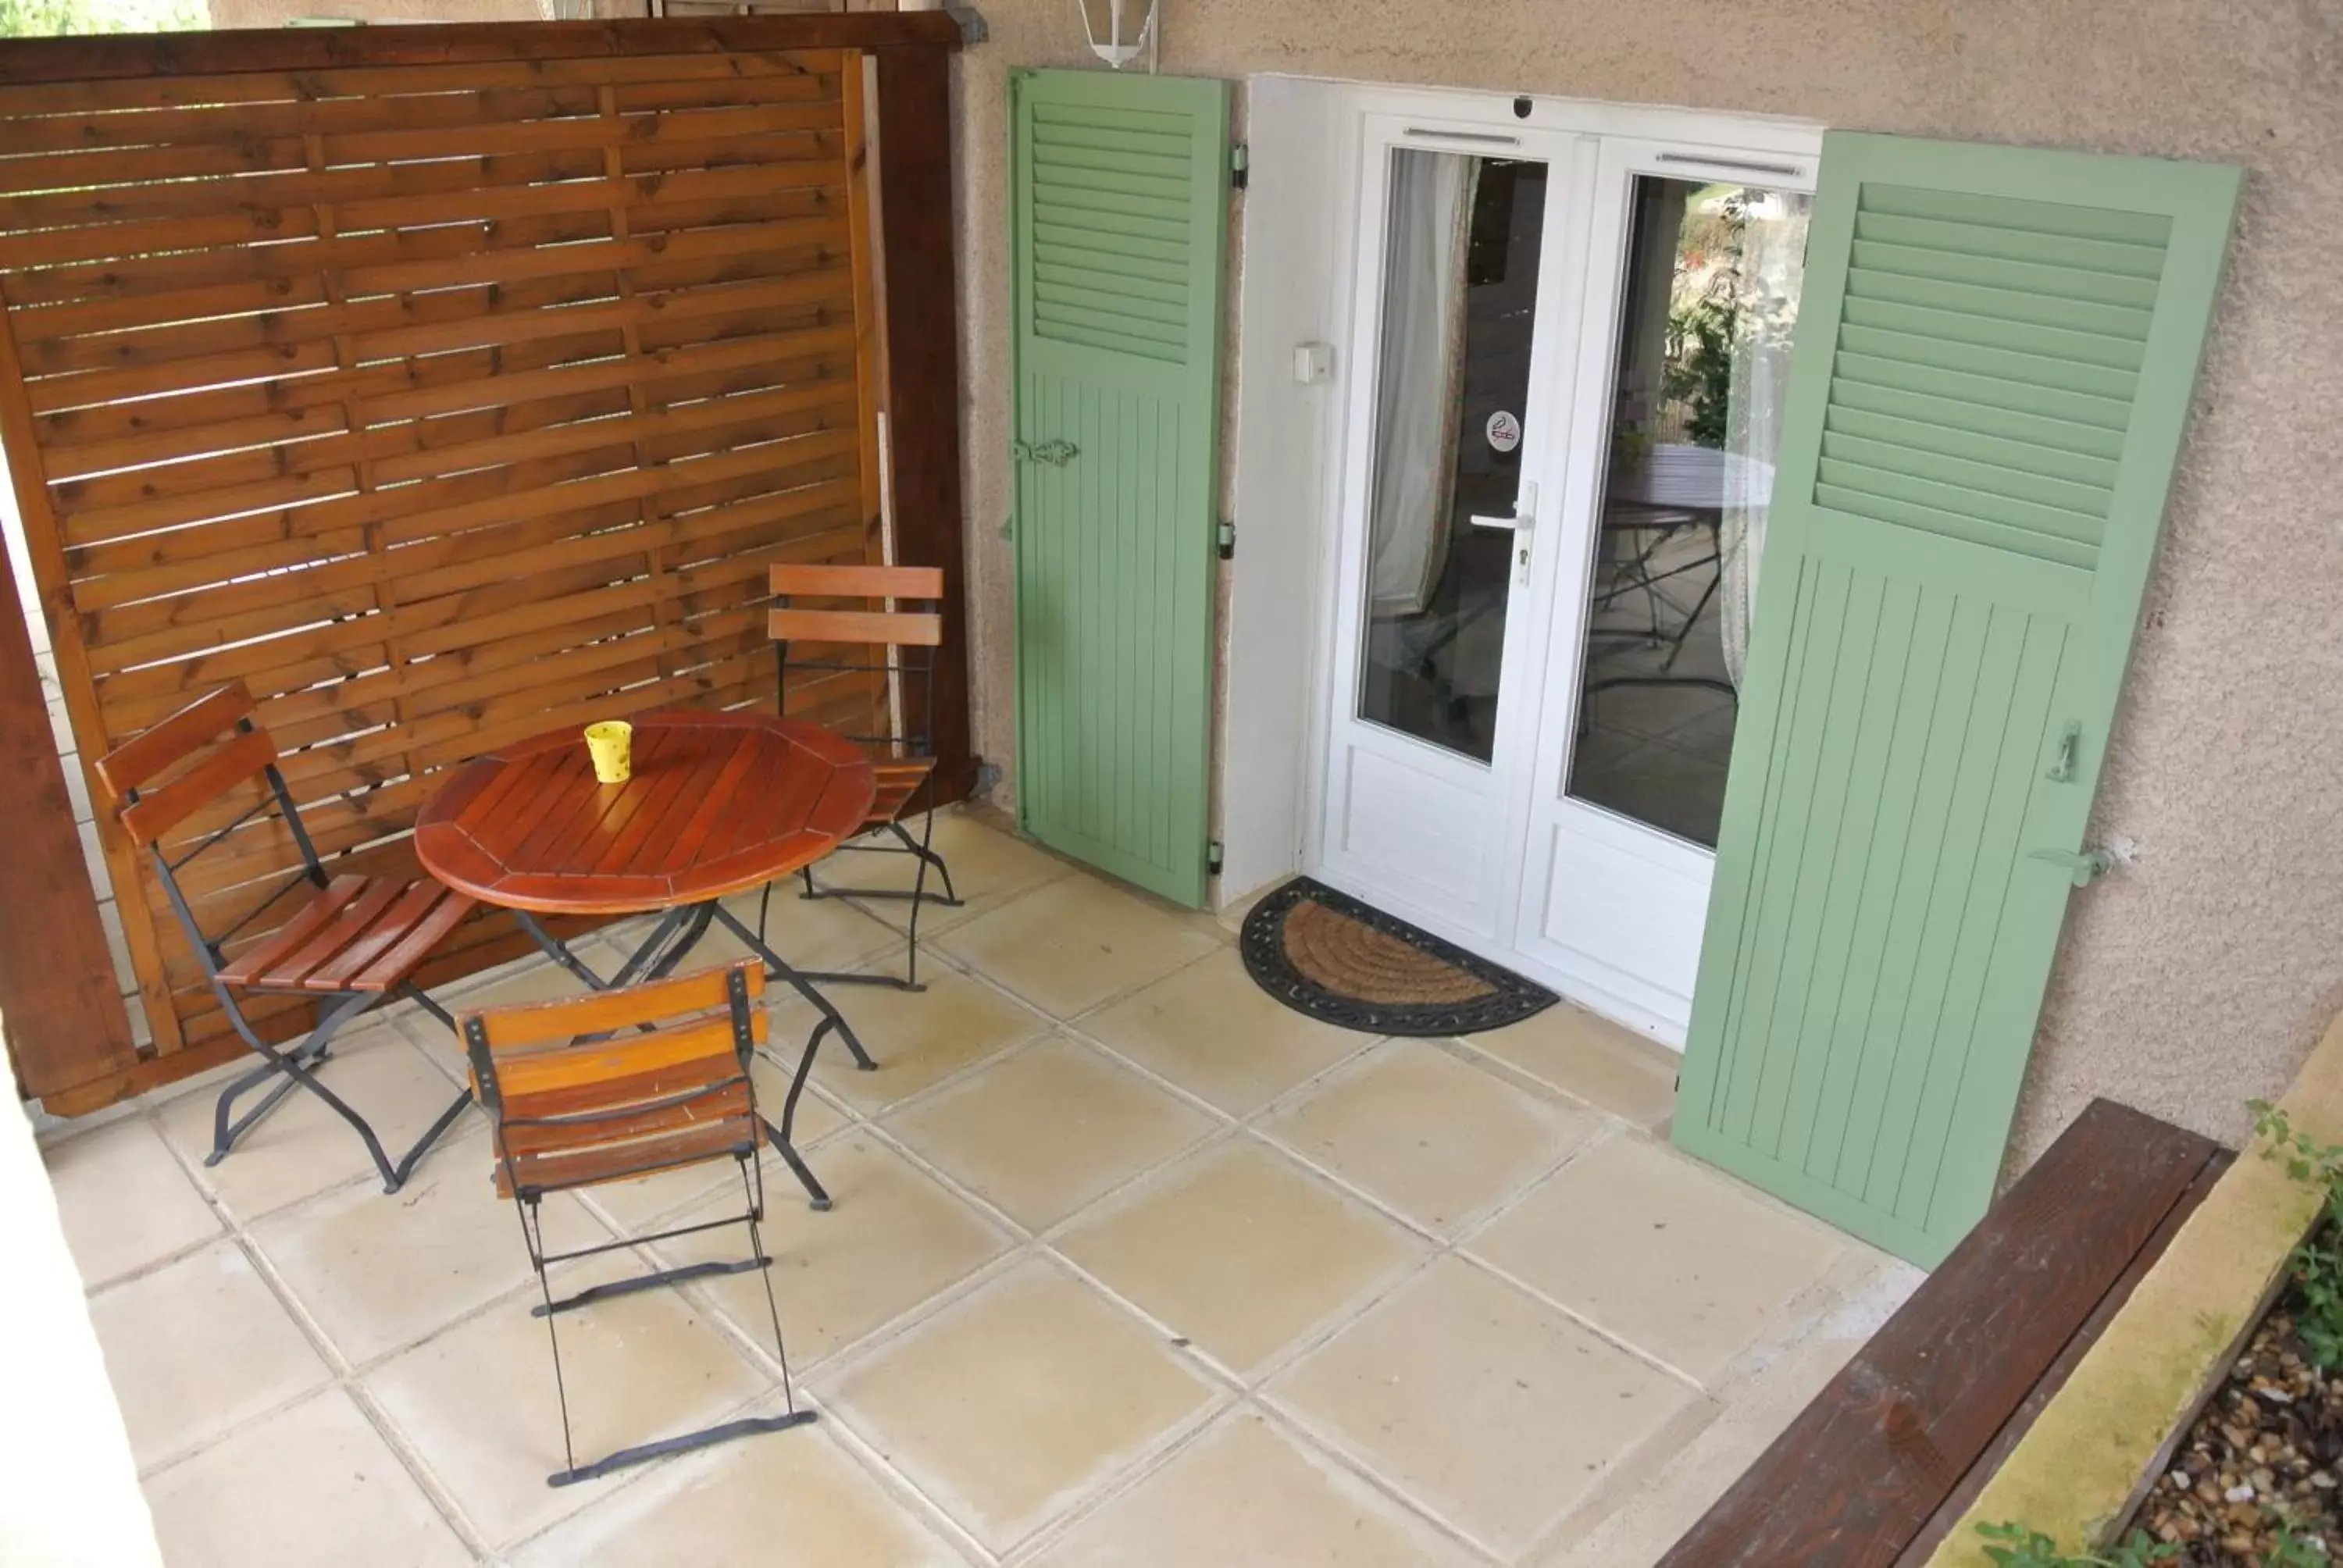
(342, 1376)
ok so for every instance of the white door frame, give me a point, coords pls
(1301, 209)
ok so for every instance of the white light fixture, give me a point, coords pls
(1129, 26)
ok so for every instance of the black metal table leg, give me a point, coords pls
(831, 1017)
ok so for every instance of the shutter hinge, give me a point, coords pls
(1212, 856)
(1240, 167)
(1228, 539)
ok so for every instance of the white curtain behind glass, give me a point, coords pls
(1418, 394)
(1773, 268)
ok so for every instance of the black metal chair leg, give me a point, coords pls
(224, 1132)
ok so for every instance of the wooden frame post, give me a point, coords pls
(60, 1006)
(923, 305)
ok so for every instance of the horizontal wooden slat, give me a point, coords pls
(132, 764)
(850, 580)
(461, 55)
(156, 814)
(895, 628)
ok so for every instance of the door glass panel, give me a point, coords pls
(1712, 289)
(1460, 292)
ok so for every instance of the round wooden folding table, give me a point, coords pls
(719, 803)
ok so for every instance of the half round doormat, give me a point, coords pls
(1326, 954)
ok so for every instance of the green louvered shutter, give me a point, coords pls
(1994, 362)
(1118, 208)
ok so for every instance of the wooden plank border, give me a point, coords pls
(919, 251)
(235, 51)
(63, 1016)
(1861, 1474)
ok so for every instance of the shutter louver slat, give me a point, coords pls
(1111, 191)
(2022, 323)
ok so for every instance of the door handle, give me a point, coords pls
(1057, 452)
(2062, 764)
(1524, 520)
(1523, 517)
(2085, 867)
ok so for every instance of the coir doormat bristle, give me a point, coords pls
(1326, 954)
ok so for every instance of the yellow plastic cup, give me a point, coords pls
(611, 744)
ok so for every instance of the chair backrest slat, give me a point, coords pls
(556, 1080)
(892, 629)
(572, 1112)
(247, 756)
(535, 1023)
(161, 747)
(850, 581)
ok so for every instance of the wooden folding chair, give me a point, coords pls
(349, 943)
(576, 1100)
(898, 644)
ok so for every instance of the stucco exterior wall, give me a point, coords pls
(2201, 973)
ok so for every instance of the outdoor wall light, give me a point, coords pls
(1118, 30)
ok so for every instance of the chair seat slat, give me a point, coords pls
(353, 921)
(353, 961)
(307, 921)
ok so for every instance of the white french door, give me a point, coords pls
(1528, 710)
(1441, 577)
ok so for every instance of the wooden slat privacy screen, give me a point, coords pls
(441, 403)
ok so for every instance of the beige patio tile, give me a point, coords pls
(195, 1347)
(1044, 1130)
(918, 1038)
(1248, 1494)
(895, 1238)
(1484, 1405)
(1075, 942)
(1611, 1068)
(1675, 1258)
(312, 1484)
(303, 1147)
(534, 976)
(790, 1499)
(124, 1200)
(1241, 1251)
(1213, 1032)
(380, 1271)
(808, 933)
(1015, 1402)
(478, 1401)
(1438, 1139)
(988, 868)
(1683, 1471)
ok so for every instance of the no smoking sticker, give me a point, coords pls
(1504, 431)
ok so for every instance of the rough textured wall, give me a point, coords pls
(2201, 973)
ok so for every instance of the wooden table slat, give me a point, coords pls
(718, 802)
